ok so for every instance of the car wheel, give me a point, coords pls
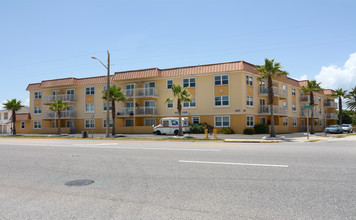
(158, 132)
(176, 132)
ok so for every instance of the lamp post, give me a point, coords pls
(107, 93)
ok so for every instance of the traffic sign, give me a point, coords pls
(307, 106)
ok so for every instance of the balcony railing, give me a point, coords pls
(330, 104)
(265, 109)
(283, 93)
(304, 98)
(64, 114)
(139, 111)
(264, 90)
(141, 92)
(331, 116)
(316, 114)
(65, 98)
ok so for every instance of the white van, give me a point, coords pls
(171, 126)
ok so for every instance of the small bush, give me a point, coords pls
(206, 126)
(226, 131)
(249, 131)
(260, 128)
(196, 129)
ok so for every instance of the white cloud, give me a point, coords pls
(27, 102)
(304, 77)
(335, 77)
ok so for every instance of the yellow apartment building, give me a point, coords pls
(224, 95)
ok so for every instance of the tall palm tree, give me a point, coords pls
(13, 106)
(340, 93)
(311, 87)
(57, 106)
(270, 70)
(182, 95)
(351, 104)
(116, 95)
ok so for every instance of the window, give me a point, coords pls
(38, 110)
(89, 107)
(170, 104)
(105, 106)
(189, 82)
(129, 122)
(316, 122)
(89, 123)
(169, 84)
(130, 90)
(192, 104)
(53, 124)
(319, 99)
(249, 101)
(22, 125)
(37, 124)
(6, 115)
(150, 121)
(250, 121)
(294, 122)
(320, 123)
(221, 80)
(38, 95)
(222, 121)
(293, 92)
(110, 123)
(221, 100)
(285, 121)
(195, 120)
(89, 91)
(249, 80)
(104, 87)
(294, 107)
(285, 104)
(319, 110)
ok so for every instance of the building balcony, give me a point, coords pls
(64, 97)
(141, 92)
(316, 114)
(276, 91)
(330, 104)
(64, 115)
(331, 116)
(265, 109)
(138, 111)
(305, 98)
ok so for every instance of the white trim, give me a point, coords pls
(85, 90)
(189, 82)
(222, 122)
(221, 75)
(85, 124)
(253, 80)
(40, 123)
(253, 102)
(109, 123)
(126, 119)
(296, 122)
(172, 83)
(169, 107)
(195, 117)
(24, 125)
(85, 109)
(145, 119)
(253, 121)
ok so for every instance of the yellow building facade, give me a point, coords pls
(224, 95)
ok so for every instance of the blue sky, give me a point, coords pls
(55, 39)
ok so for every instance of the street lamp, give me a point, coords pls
(107, 93)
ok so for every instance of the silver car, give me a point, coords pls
(347, 128)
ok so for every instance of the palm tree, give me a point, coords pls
(182, 95)
(351, 104)
(311, 87)
(116, 95)
(270, 70)
(340, 93)
(58, 106)
(13, 106)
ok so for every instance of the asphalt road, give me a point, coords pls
(177, 180)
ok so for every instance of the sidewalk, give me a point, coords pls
(236, 138)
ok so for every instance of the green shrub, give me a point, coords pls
(226, 131)
(196, 129)
(206, 126)
(260, 128)
(249, 131)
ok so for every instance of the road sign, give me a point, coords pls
(307, 106)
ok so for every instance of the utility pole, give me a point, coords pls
(107, 93)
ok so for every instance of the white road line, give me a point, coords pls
(227, 163)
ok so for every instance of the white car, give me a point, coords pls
(347, 128)
(171, 126)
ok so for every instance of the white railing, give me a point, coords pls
(316, 114)
(331, 116)
(304, 98)
(64, 98)
(64, 114)
(138, 111)
(330, 104)
(141, 92)
(265, 109)
(283, 93)
(283, 110)
(264, 90)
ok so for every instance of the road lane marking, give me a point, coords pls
(228, 163)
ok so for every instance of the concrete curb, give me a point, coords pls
(251, 141)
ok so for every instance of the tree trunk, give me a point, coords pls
(59, 123)
(13, 122)
(113, 114)
(312, 113)
(179, 108)
(270, 100)
(340, 110)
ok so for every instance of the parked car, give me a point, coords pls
(336, 129)
(171, 126)
(347, 128)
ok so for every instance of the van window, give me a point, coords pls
(165, 123)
